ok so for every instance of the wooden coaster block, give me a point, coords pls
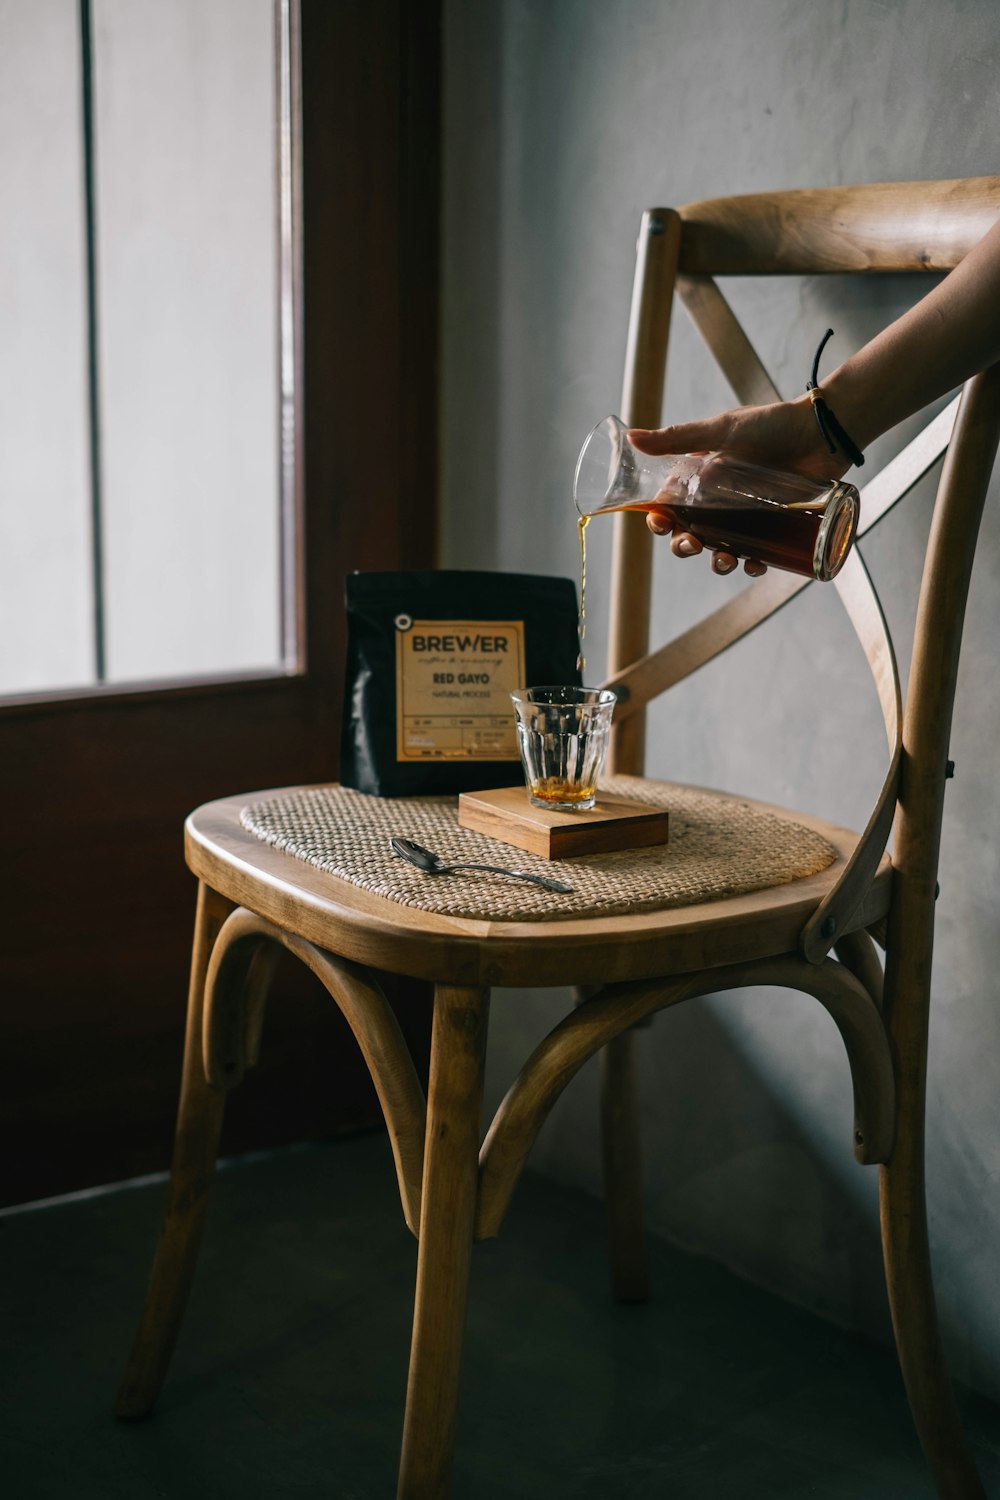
(614, 823)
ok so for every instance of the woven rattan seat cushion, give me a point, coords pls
(719, 846)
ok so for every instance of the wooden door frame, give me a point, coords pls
(97, 904)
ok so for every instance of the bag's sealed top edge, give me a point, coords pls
(370, 583)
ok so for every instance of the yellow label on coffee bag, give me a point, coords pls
(454, 679)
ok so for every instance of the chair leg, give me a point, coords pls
(911, 1296)
(623, 1170)
(451, 1157)
(199, 1123)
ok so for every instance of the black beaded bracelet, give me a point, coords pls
(833, 434)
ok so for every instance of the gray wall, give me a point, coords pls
(564, 120)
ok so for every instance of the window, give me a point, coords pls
(141, 527)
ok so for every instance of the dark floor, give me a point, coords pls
(291, 1369)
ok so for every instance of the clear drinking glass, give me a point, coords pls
(562, 733)
(802, 525)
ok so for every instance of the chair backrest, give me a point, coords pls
(892, 227)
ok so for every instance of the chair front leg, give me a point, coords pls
(622, 1162)
(448, 1201)
(199, 1124)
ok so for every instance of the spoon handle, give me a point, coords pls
(545, 881)
(433, 864)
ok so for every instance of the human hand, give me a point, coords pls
(782, 435)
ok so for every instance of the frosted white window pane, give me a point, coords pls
(186, 253)
(46, 637)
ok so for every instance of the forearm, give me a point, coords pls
(949, 335)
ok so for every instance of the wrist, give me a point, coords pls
(810, 446)
(843, 395)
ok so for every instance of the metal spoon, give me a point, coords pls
(433, 864)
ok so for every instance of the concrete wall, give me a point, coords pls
(564, 120)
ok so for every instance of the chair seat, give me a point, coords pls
(737, 881)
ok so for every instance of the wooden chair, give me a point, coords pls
(814, 934)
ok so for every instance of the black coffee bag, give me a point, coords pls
(432, 658)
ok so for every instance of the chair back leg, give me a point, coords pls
(622, 1164)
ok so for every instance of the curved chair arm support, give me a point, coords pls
(832, 918)
(857, 952)
(588, 1028)
(239, 973)
(257, 987)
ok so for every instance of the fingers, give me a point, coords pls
(683, 544)
(725, 562)
(683, 437)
